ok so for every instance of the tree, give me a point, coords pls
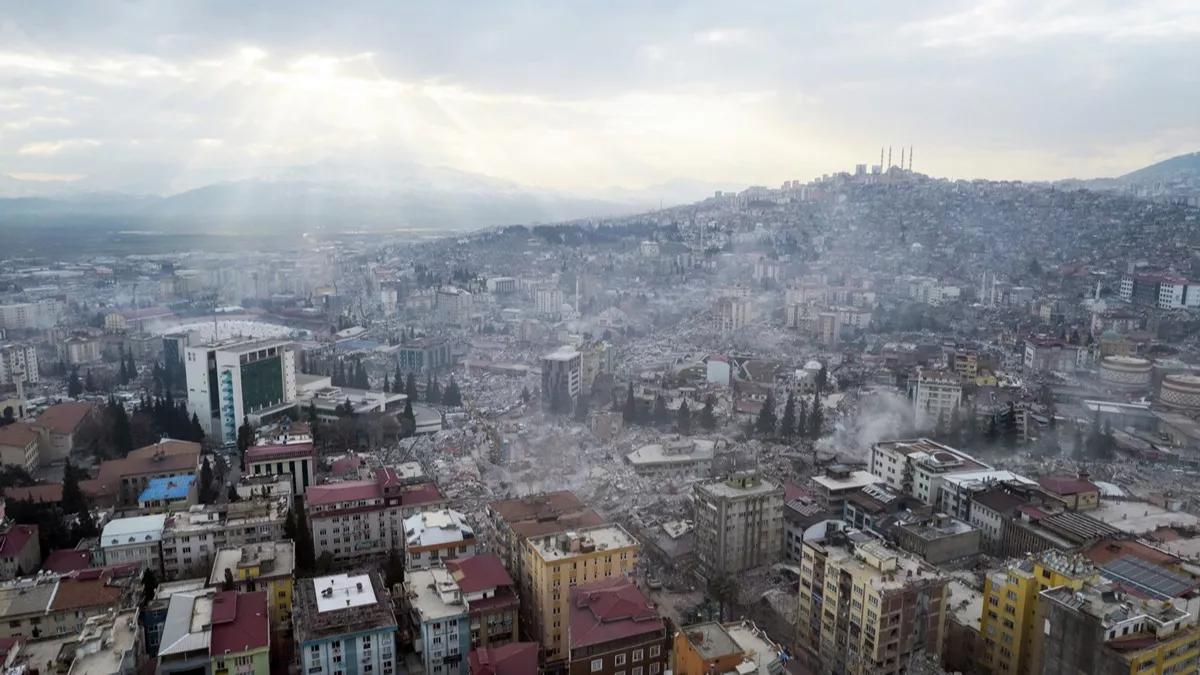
(232, 495)
(197, 430)
(787, 426)
(124, 375)
(410, 387)
(387, 387)
(822, 379)
(393, 570)
(408, 420)
(429, 389)
(724, 590)
(397, 381)
(802, 419)
(525, 395)
(120, 428)
(816, 417)
(766, 417)
(452, 396)
(74, 386)
(227, 584)
(149, 585)
(581, 406)
(8, 417)
(245, 437)
(73, 500)
(660, 415)
(683, 419)
(629, 414)
(205, 490)
(708, 419)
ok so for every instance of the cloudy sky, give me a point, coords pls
(586, 93)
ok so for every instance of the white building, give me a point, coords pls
(648, 249)
(730, 314)
(134, 540)
(31, 315)
(231, 381)
(918, 467)
(548, 302)
(453, 305)
(562, 371)
(16, 359)
(433, 537)
(936, 396)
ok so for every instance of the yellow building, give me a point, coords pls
(1011, 609)
(267, 567)
(555, 563)
(1102, 630)
(855, 591)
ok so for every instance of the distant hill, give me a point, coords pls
(1189, 163)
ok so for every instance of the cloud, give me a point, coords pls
(161, 95)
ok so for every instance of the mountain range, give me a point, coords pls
(341, 193)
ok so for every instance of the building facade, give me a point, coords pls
(614, 628)
(236, 380)
(562, 376)
(18, 362)
(358, 521)
(343, 619)
(739, 524)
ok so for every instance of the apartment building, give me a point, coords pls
(936, 395)
(31, 315)
(555, 563)
(869, 608)
(19, 446)
(1045, 354)
(363, 520)
(266, 566)
(562, 372)
(1012, 617)
(345, 619)
(453, 305)
(1101, 629)
(218, 632)
(739, 524)
(426, 355)
(59, 425)
(192, 539)
(434, 536)
(20, 549)
(739, 647)
(465, 605)
(129, 477)
(614, 628)
(295, 459)
(59, 604)
(18, 362)
(730, 314)
(135, 540)
(918, 467)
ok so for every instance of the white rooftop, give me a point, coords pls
(995, 476)
(603, 538)
(137, 530)
(188, 626)
(562, 354)
(857, 479)
(434, 528)
(341, 591)
(1140, 517)
(428, 592)
(656, 453)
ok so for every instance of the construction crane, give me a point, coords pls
(496, 456)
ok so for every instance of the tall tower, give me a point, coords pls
(889, 164)
(902, 158)
(910, 153)
(881, 166)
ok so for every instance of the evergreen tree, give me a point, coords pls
(122, 431)
(816, 417)
(525, 395)
(1078, 446)
(233, 495)
(393, 570)
(245, 437)
(437, 391)
(766, 417)
(683, 419)
(708, 418)
(124, 375)
(397, 380)
(149, 585)
(802, 419)
(74, 385)
(387, 387)
(89, 382)
(452, 396)
(581, 407)
(410, 387)
(429, 389)
(661, 416)
(73, 500)
(206, 492)
(822, 379)
(787, 426)
(629, 414)
(131, 369)
(408, 420)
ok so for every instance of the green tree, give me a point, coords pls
(387, 387)
(724, 591)
(452, 396)
(525, 395)
(816, 417)
(787, 426)
(397, 381)
(765, 425)
(393, 570)
(245, 437)
(708, 418)
(629, 414)
(89, 382)
(661, 416)
(822, 379)
(73, 500)
(206, 493)
(197, 430)
(801, 430)
(408, 420)
(683, 419)
(74, 385)
(149, 585)
(120, 428)
(410, 387)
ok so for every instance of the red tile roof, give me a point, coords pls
(608, 610)
(346, 465)
(65, 560)
(333, 493)
(423, 493)
(792, 492)
(262, 453)
(15, 538)
(18, 435)
(1067, 485)
(517, 658)
(239, 623)
(52, 492)
(64, 418)
(479, 573)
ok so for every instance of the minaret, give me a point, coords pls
(881, 166)
(910, 153)
(889, 164)
(901, 158)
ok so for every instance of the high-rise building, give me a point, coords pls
(426, 355)
(868, 608)
(18, 361)
(918, 467)
(453, 305)
(739, 524)
(562, 376)
(236, 380)
(937, 394)
(548, 302)
(730, 314)
(1011, 610)
(556, 563)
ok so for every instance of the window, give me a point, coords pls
(655, 651)
(1011, 595)
(994, 601)
(597, 665)
(1010, 609)
(637, 655)
(619, 660)
(654, 668)
(637, 671)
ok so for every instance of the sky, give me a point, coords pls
(163, 95)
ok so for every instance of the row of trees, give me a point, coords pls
(660, 416)
(799, 420)
(435, 394)
(117, 432)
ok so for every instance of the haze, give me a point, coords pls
(159, 97)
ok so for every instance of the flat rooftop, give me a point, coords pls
(563, 354)
(604, 538)
(342, 591)
(966, 604)
(751, 639)
(425, 588)
(1140, 517)
(856, 480)
(656, 453)
(730, 488)
(710, 640)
